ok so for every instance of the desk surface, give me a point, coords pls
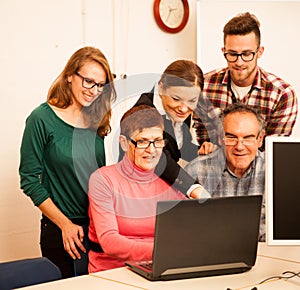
(271, 261)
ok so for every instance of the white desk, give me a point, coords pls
(271, 261)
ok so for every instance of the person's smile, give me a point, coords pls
(183, 115)
(89, 98)
(240, 155)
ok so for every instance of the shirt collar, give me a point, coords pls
(157, 102)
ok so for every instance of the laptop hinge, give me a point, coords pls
(205, 268)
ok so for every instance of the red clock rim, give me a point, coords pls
(165, 27)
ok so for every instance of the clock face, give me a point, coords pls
(171, 15)
(171, 12)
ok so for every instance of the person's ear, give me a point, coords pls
(123, 143)
(221, 141)
(260, 51)
(261, 138)
(160, 88)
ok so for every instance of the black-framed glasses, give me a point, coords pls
(245, 55)
(144, 144)
(247, 141)
(89, 84)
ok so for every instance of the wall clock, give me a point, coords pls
(171, 15)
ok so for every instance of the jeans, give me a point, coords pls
(52, 247)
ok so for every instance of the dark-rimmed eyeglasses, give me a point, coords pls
(89, 84)
(245, 55)
(247, 141)
(144, 144)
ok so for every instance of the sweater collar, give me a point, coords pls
(131, 171)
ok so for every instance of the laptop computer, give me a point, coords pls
(195, 238)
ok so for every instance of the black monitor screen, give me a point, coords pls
(283, 190)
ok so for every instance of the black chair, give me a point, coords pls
(27, 272)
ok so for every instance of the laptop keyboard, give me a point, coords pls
(146, 264)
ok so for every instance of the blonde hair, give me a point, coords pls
(98, 114)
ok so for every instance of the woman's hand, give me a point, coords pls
(200, 193)
(72, 235)
(206, 148)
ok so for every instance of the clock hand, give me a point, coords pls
(170, 12)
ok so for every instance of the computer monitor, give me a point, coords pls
(283, 190)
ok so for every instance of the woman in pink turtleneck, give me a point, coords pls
(123, 196)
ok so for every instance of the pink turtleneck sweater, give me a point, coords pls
(122, 210)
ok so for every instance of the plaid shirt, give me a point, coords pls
(214, 175)
(275, 99)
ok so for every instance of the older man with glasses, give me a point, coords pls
(244, 81)
(237, 167)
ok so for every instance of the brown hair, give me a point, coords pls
(242, 24)
(182, 73)
(60, 94)
(139, 118)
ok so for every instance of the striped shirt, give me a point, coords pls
(215, 176)
(275, 99)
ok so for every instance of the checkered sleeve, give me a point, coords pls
(206, 121)
(283, 117)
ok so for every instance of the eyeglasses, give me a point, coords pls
(245, 56)
(144, 144)
(248, 141)
(89, 84)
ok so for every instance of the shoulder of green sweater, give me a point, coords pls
(43, 117)
(41, 110)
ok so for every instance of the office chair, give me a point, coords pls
(21, 273)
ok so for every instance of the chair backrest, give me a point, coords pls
(27, 272)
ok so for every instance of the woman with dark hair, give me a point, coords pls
(63, 143)
(176, 97)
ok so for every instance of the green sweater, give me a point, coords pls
(57, 160)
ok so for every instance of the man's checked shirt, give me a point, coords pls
(214, 175)
(275, 99)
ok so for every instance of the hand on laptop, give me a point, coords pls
(199, 193)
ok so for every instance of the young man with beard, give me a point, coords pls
(244, 81)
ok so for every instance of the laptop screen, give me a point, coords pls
(217, 233)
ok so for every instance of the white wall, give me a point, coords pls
(37, 38)
(279, 22)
